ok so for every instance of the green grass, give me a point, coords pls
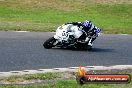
(39, 15)
(42, 76)
(69, 84)
(58, 83)
(21, 78)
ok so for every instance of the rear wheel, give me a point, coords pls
(49, 43)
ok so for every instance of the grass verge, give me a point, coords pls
(70, 84)
(55, 80)
(31, 78)
(113, 16)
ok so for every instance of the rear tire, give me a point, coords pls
(49, 43)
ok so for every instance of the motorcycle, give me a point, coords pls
(68, 36)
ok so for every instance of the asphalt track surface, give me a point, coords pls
(24, 51)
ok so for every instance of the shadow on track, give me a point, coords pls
(102, 50)
(93, 50)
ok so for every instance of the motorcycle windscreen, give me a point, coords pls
(77, 32)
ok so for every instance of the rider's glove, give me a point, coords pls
(97, 31)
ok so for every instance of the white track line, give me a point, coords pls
(69, 69)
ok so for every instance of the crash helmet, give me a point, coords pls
(87, 23)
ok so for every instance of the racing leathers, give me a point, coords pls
(91, 30)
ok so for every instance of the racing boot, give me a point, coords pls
(90, 44)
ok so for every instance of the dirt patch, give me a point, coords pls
(65, 5)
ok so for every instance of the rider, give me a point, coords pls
(89, 28)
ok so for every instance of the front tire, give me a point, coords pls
(48, 44)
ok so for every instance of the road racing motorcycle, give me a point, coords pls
(68, 36)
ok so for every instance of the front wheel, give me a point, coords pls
(49, 43)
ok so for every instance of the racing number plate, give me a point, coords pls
(65, 34)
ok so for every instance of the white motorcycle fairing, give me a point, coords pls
(63, 32)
